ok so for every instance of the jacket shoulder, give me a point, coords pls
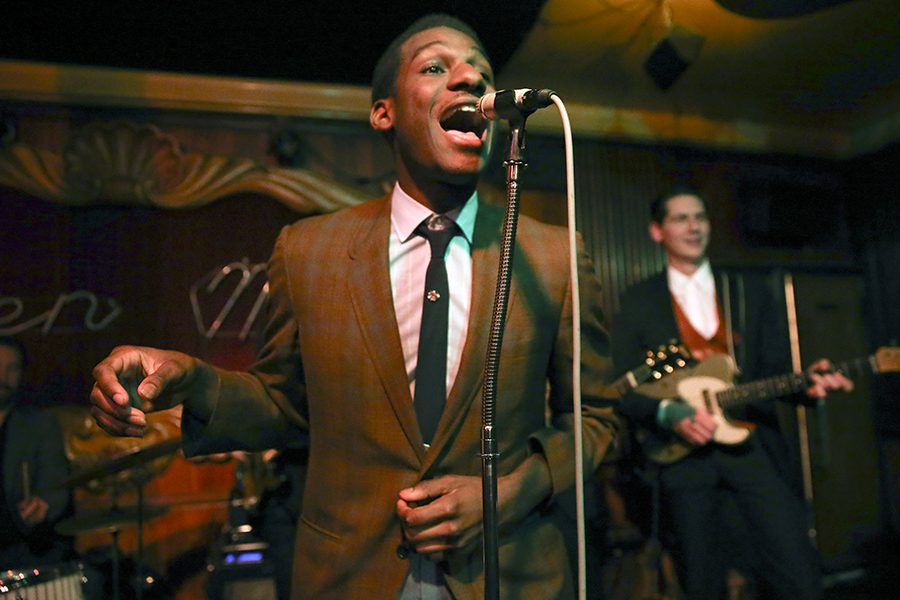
(352, 216)
(646, 288)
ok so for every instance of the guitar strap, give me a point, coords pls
(729, 321)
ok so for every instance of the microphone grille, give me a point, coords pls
(484, 104)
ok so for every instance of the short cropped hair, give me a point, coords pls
(384, 77)
(658, 209)
(17, 345)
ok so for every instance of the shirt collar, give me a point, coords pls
(702, 278)
(406, 214)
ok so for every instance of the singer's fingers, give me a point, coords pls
(168, 373)
(106, 404)
(126, 413)
(123, 361)
(107, 384)
(422, 492)
(118, 426)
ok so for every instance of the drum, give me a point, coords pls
(52, 582)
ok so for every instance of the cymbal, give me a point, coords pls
(128, 460)
(110, 521)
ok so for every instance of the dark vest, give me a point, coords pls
(699, 346)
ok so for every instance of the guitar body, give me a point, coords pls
(697, 386)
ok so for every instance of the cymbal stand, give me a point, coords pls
(141, 476)
(114, 553)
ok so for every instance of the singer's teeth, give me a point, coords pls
(465, 118)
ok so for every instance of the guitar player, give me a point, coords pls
(714, 314)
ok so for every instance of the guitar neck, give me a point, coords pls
(632, 379)
(784, 385)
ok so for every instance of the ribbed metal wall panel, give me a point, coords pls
(614, 187)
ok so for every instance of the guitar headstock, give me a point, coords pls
(886, 360)
(666, 359)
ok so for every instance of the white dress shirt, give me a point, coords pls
(696, 295)
(409, 255)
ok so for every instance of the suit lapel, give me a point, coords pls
(370, 293)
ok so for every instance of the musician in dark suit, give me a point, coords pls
(714, 314)
(388, 512)
(32, 465)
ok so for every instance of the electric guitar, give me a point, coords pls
(708, 385)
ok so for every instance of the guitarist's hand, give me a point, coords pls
(823, 379)
(698, 430)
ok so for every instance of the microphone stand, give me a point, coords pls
(489, 452)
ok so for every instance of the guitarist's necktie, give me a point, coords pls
(431, 363)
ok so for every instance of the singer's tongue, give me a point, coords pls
(465, 121)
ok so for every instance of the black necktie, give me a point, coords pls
(431, 363)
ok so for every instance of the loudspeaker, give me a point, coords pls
(672, 55)
(843, 445)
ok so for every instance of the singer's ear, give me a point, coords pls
(381, 116)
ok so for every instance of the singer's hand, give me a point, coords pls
(445, 514)
(33, 510)
(133, 381)
(441, 515)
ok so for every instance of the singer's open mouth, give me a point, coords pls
(466, 119)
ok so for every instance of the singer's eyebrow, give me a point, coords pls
(476, 49)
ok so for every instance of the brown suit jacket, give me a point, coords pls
(332, 365)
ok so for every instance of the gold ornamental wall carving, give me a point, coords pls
(122, 162)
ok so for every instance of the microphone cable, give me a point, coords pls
(576, 346)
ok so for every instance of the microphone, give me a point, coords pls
(513, 104)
